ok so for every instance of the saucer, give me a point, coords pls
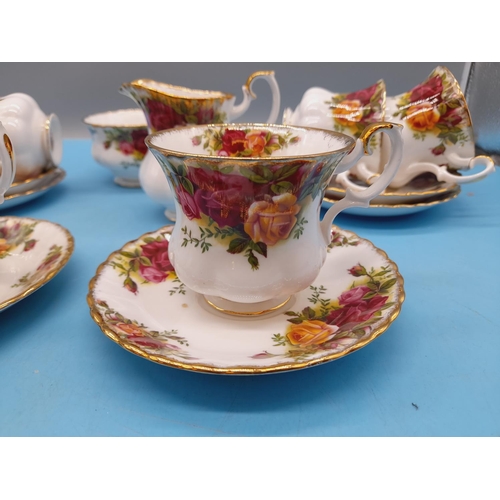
(32, 252)
(137, 301)
(21, 192)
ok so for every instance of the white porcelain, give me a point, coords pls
(118, 143)
(139, 302)
(36, 137)
(31, 189)
(32, 252)
(438, 134)
(7, 163)
(348, 113)
(248, 198)
(167, 106)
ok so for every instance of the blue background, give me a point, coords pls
(62, 377)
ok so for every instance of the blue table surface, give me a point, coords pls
(61, 376)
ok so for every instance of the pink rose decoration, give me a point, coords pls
(126, 148)
(353, 296)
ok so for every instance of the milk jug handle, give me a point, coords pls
(249, 96)
(8, 163)
(362, 198)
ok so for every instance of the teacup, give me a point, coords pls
(118, 143)
(438, 134)
(168, 106)
(7, 163)
(348, 113)
(247, 234)
(36, 137)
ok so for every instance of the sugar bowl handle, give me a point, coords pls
(8, 163)
(356, 198)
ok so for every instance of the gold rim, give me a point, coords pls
(48, 170)
(33, 288)
(87, 119)
(435, 201)
(59, 175)
(146, 84)
(392, 192)
(239, 369)
(252, 77)
(253, 313)
(253, 126)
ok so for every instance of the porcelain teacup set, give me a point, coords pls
(34, 139)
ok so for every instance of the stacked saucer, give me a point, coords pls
(29, 189)
(419, 194)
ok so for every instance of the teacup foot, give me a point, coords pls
(245, 309)
(128, 183)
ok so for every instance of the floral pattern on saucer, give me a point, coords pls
(32, 252)
(356, 297)
(14, 234)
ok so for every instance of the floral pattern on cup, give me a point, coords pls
(247, 209)
(137, 334)
(147, 262)
(331, 325)
(243, 143)
(165, 112)
(436, 107)
(129, 142)
(353, 111)
(16, 234)
(48, 263)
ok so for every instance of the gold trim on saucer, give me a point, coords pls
(49, 169)
(435, 200)
(69, 251)
(239, 369)
(250, 313)
(59, 175)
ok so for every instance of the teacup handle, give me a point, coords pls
(443, 175)
(249, 96)
(8, 163)
(355, 198)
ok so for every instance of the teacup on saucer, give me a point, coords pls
(118, 143)
(139, 302)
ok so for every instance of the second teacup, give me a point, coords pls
(118, 143)
(247, 233)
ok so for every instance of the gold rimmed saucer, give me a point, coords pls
(32, 252)
(142, 305)
(32, 188)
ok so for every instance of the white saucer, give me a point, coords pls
(21, 192)
(32, 252)
(389, 210)
(138, 301)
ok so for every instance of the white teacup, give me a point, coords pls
(247, 233)
(36, 137)
(7, 163)
(348, 113)
(118, 143)
(438, 134)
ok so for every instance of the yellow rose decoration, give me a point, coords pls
(313, 332)
(272, 221)
(348, 112)
(130, 329)
(4, 246)
(422, 117)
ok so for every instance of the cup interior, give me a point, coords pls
(249, 141)
(183, 92)
(123, 118)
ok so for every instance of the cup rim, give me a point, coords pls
(88, 120)
(238, 126)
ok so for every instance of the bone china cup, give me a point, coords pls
(7, 163)
(118, 143)
(247, 234)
